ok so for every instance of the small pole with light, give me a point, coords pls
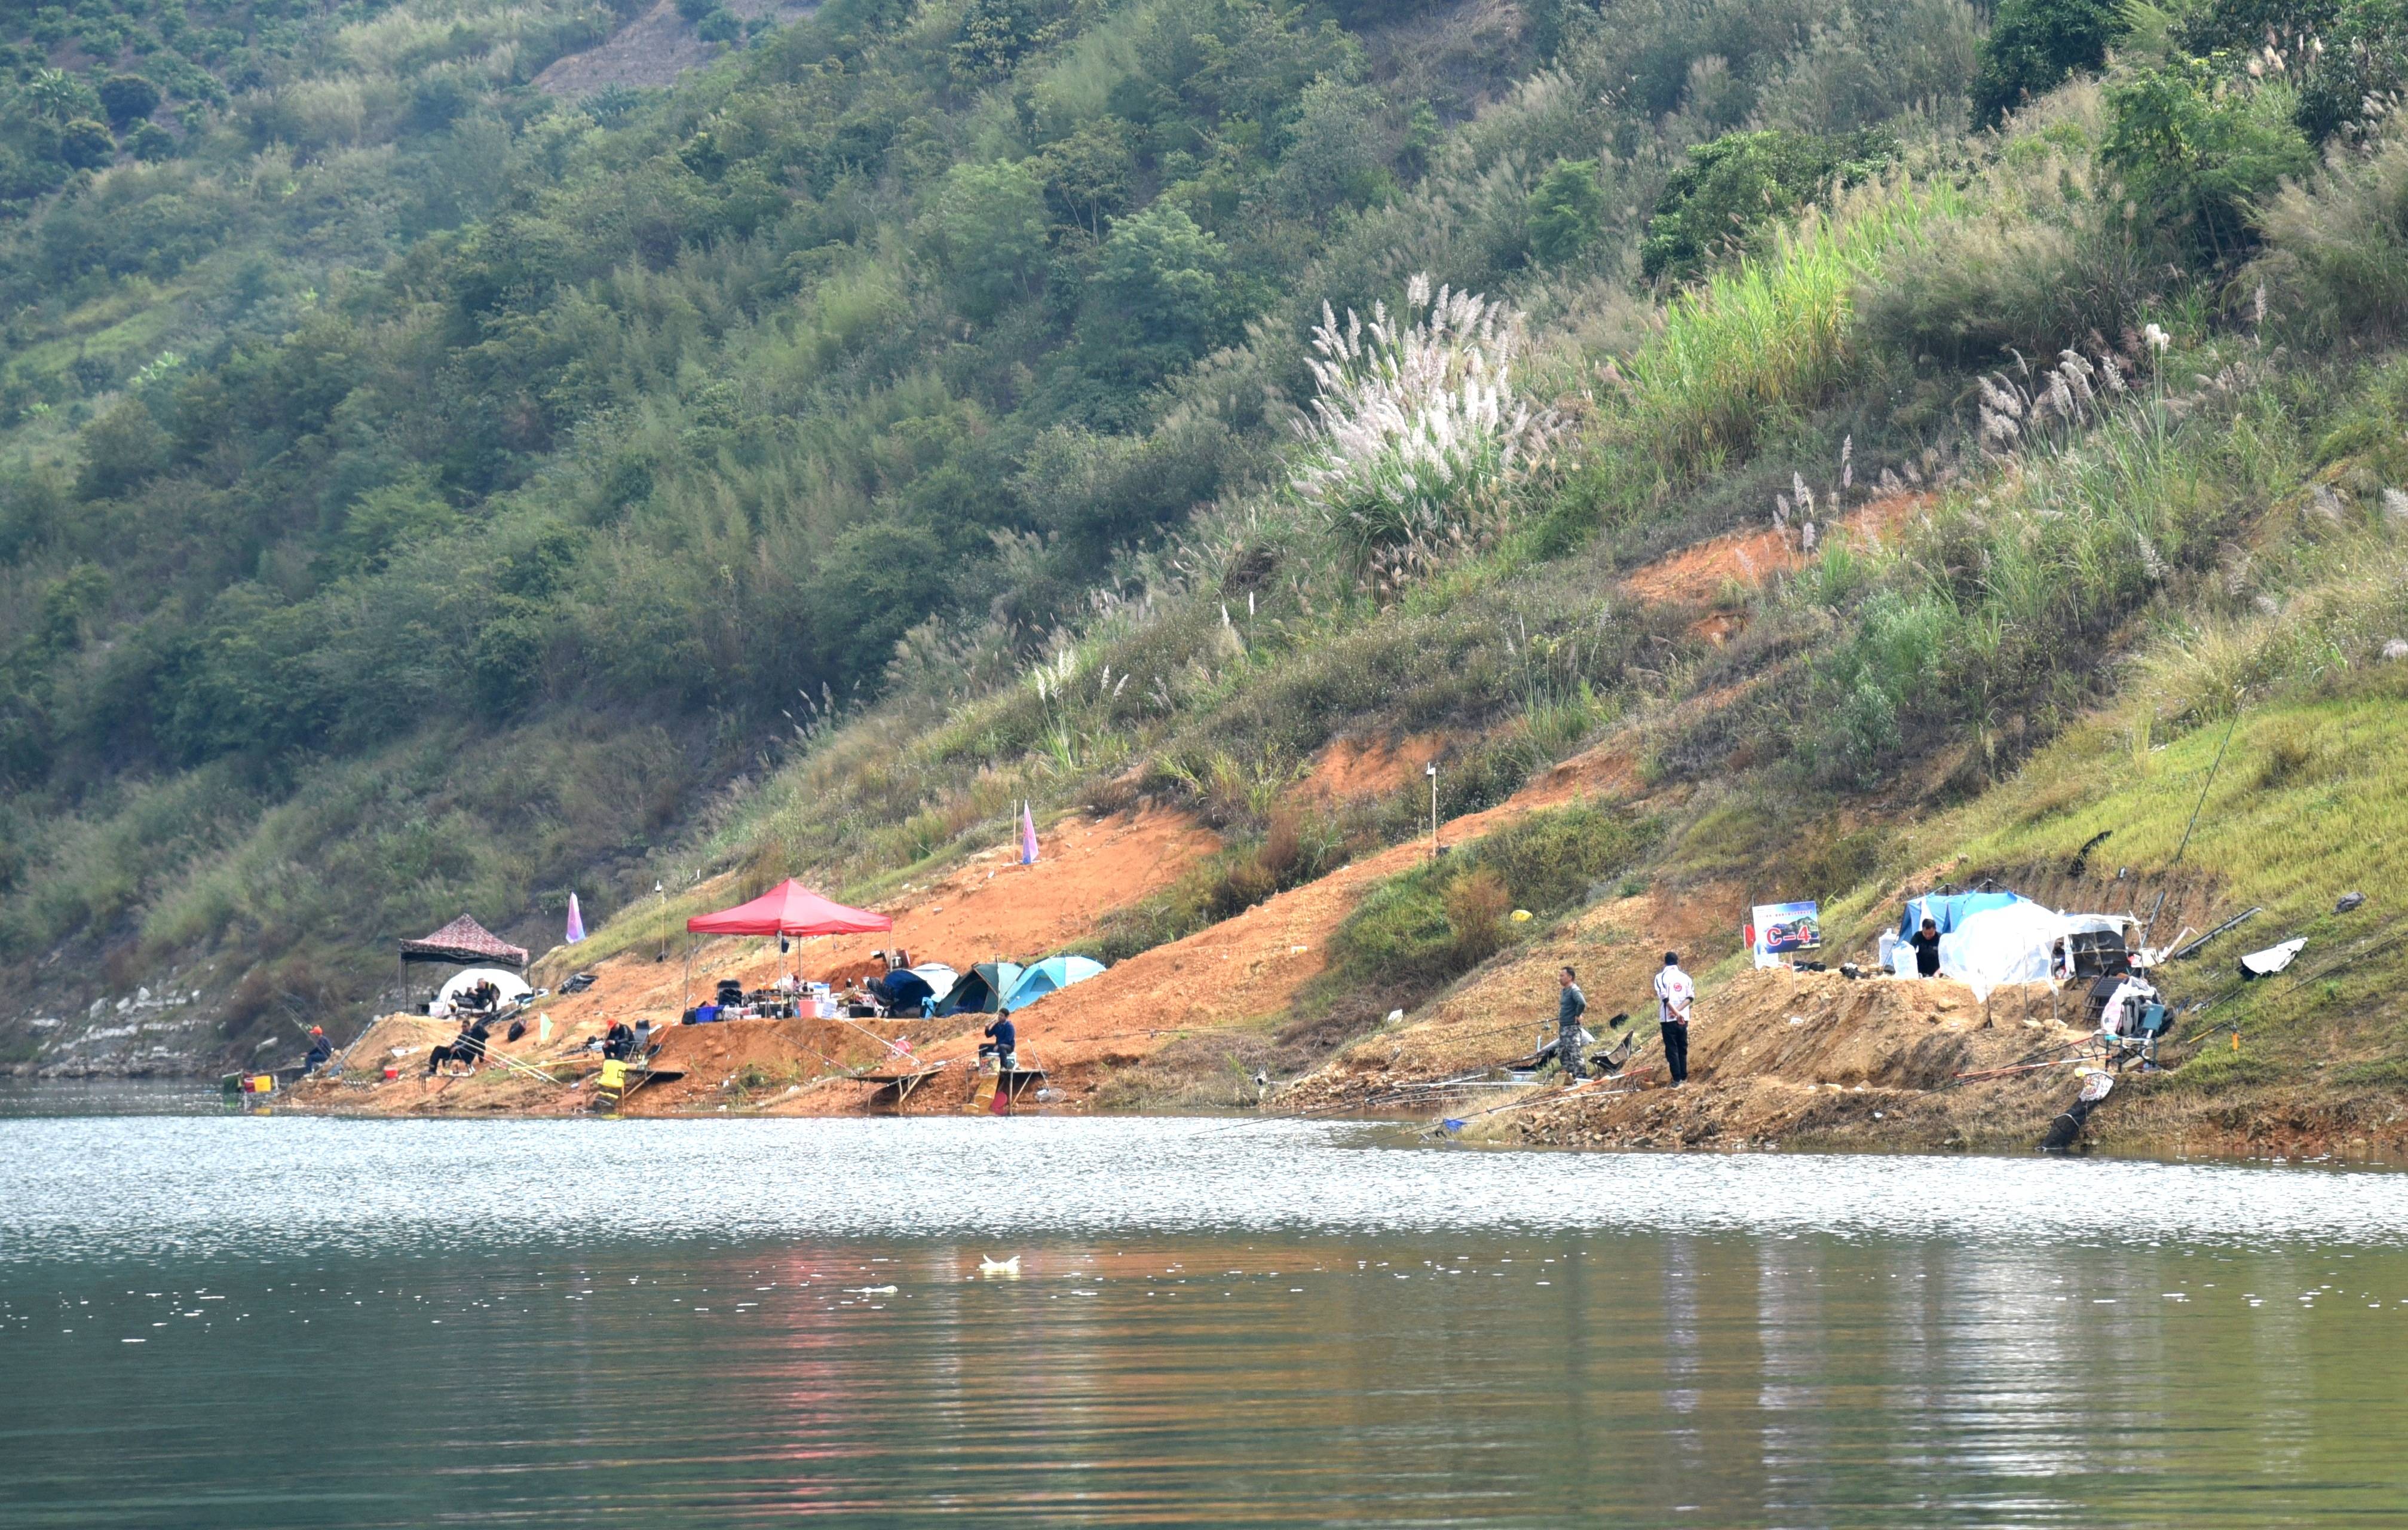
(1430, 770)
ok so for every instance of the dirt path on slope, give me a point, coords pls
(1695, 575)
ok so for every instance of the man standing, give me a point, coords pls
(1568, 1010)
(1675, 995)
(1926, 942)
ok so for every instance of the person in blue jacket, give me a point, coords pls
(1002, 1042)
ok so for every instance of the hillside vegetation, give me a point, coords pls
(934, 406)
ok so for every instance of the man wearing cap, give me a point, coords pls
(321, 1051)
(1676, 994)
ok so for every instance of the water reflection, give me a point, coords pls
(690, 1348)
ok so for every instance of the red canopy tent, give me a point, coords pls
(789, 908)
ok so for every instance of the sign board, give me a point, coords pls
(1785, 931)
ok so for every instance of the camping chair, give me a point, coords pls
(2149, 1023)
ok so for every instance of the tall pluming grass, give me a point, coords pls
(1415, 423)
(2337, 247)
(1767, 338)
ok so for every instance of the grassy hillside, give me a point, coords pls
(935, 407)
(519, 524)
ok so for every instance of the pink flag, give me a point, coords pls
(1028, 836)
(576, 921)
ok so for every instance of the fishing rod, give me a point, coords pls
(2193, 948)
(2210, 780)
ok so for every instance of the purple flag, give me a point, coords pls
(576, 921)
(1028, 836)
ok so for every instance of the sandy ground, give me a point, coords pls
(1783, 1058)
(1350, 770)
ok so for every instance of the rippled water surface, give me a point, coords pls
(276, 1321)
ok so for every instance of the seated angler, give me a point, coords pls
(1002, 1043)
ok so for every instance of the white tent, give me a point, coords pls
(2012, 944)
(513, 988)
(940, 978)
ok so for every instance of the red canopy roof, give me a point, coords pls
(789, 908)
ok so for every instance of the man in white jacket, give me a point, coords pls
(1676, 994)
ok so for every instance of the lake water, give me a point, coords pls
(212, 1320)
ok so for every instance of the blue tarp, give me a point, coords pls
(901, 992)
(1044, 977)
(1950, 910)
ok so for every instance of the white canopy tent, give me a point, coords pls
(513, 988)
(2000, 946)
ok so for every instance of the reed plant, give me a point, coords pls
(1761, 342)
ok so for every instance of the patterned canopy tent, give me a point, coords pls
(463, 942)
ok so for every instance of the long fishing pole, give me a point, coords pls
(2211, 780)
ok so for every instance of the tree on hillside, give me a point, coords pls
(988, 222)
(1161, 294)
(2035, 46)
(128, 98)
(85, 145)
(60, 96)
(1741, 182)
(2200, 153)
(1338, 151)
(1090, 173)
(1567, 212)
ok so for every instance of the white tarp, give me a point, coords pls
(2001, 945)
(2012, 944)
(2273, 959)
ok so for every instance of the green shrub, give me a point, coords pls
(128, 98)
(987, 224)
(1736, 185)
(1426, 926)
(1476, 906)
(121, 449)
(2351, 69)
(1757, 343)
(151, 143)
(2199, 151)
(1552, 860)
(2045, 258)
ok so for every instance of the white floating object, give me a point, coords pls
(999, 1266)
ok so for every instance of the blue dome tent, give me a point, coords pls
(1044, 977)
